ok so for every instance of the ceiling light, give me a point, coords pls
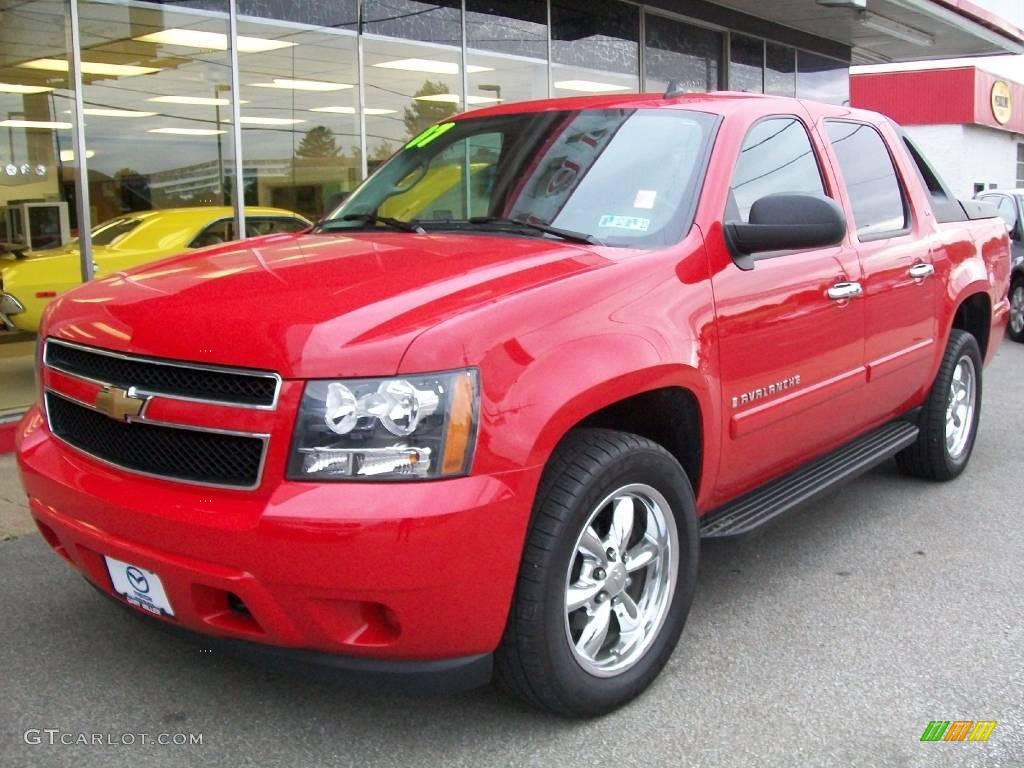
(115, 112)
(214, 41)
(589, 86)
(187, 131)
(303, 85)
(352, 110)
(430, 66)
(33, 124)
(858, 4)
(68, 155)
(91, 68)
(895, 29)
(251, 120)
(16, 88)
(453, 98)
(204, 101)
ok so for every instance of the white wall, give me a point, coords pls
(968, 154)
(1011, 10)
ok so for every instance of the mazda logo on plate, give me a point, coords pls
(137, 579)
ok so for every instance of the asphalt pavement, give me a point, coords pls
(832, 639)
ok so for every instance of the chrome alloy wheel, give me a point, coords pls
(963, 394)
(1017, 309)
(621, 579)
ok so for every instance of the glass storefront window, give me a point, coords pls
(746, 64)
(36, 159)
(689, 55)
(299, 106)
(822, 79)
(158, 106)
(506, 50)
(410, 86)
(37, 167)
(780, 70)
(595, 47)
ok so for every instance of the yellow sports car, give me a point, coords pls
(27, 285)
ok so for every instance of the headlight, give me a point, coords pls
(403, 428)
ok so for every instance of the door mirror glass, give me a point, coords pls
(785, 222)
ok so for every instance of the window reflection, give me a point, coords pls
(410, 86)
(776, 157)
(822, 79)
(506, 46)
(746, 64)
(36, 159)
(780, 70)
(595, 47)
(689, 55)
(299, 107)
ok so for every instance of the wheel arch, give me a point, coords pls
(973, 314)
(668, 404)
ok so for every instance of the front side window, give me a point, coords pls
(621, 177)
(257, 226)
(776, 157)
(221, 231)
(879, 208)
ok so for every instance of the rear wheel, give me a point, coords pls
(949, 420)
(607, 575)
(1016, 327)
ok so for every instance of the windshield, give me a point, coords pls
(626, 177)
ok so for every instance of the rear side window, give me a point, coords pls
(879, 208)
(777, 157)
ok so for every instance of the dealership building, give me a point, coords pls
(108, 107)
(973, 134)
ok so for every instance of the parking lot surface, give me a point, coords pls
(832, 639)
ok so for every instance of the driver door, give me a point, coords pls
(791, 357)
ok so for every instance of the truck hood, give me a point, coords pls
(309, 306)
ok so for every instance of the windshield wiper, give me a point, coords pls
(372, 218)
(565, 234)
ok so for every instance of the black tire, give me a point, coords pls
(535, 660)
(1016, 299)
(929, 457)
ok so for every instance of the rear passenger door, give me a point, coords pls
(895, 250)
(791, 358)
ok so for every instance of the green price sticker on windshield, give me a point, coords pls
(429, 135)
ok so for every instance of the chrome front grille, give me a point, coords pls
(113, 425)
(187, 381)
(204, 457)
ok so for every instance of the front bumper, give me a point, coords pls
(400, 572)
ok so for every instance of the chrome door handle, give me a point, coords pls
(921, 271)
(841, 291)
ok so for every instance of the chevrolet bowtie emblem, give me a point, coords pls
(119, 404)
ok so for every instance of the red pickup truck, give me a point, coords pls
(480, 418)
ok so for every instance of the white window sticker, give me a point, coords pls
(632, 223)
(645, 198)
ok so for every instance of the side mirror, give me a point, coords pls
(785, 222)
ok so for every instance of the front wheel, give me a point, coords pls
(607, 575)
(949, 419)
(1016, 327)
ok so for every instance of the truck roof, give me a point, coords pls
(718, 102)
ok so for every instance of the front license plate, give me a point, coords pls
(140, 587)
